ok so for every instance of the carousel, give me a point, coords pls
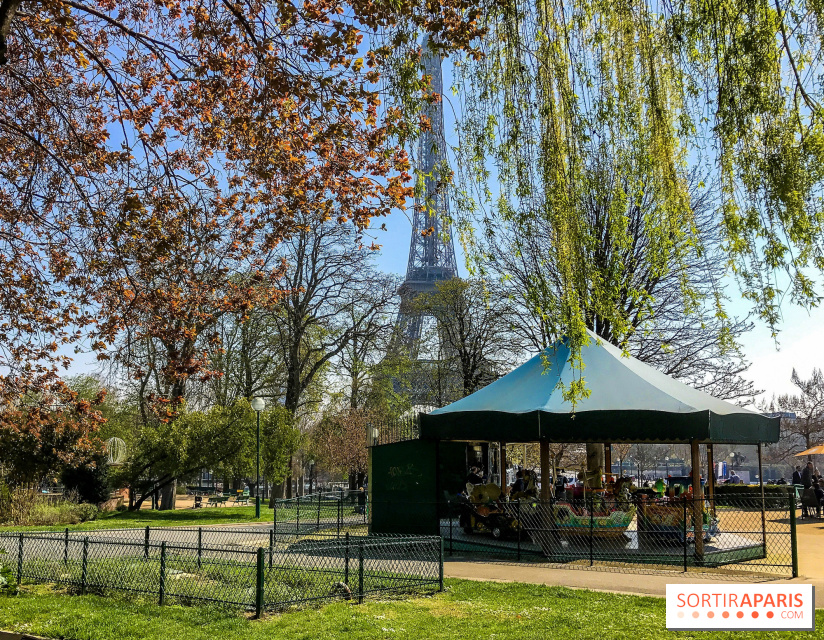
(597, 512)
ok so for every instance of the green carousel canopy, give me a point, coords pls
(629, 401)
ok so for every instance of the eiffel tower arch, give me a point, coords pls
(431, 251)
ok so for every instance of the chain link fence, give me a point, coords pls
(254, 568)
(746, 537)
(336, 512)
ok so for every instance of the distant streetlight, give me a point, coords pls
(374, 434)
(258, 405)
(311, 474)
(666, 462)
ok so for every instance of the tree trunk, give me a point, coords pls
(289, 479)
(278, 491)
(595, 463)
(168, 496)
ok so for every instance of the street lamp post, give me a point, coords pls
(666, 462)
(258, 405)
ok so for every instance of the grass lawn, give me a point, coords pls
(178, 518)
(466, 611)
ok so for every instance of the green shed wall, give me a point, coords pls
(402, 482)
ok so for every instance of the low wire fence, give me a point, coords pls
(747, 536)
(331, 512)
(738, 535)
(253, 568)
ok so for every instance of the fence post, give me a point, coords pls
(66, 548)
(520, 529)
(297, 519)
(162, 590)
(20, 559)
(346, 561)
(449, 513)
(793, 539)
(275, 510)
(271, 546)
(259, 584)
(340, 513)
(199, 546)
(146, 545)
(440, 566)
(317, 528)
(591, 522)
(360, 572)
(685, 534)
(84, 569)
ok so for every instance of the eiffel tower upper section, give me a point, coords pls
(431, 256)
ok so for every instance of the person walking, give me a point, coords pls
(797, 475)
(807, 475)
(362, 502)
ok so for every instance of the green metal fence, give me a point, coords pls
(253, 568)
(332, 512)
(744, 537)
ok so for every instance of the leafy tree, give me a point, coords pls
(339, 441)
(247, 359)
(472, 333)
(42, 437)
(807, 429)
(167, 451)
(583, 111)
(90, 480)
(370, 317)
(330, 302)
(115, 113)
(279, 439)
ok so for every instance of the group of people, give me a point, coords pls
(813, 496)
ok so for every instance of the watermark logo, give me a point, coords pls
(741, 606)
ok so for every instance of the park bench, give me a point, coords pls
(214, 501)
(241, 500)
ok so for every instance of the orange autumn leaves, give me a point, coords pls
(151, 150)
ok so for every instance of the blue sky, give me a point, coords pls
(800, 343)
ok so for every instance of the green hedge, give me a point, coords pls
(748, 495)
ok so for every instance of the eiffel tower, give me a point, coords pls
(431, 256)
(431, 252)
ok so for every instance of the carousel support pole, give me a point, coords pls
(697, 503)
(607, 459)
(502, 470)
(545, 471)
(763, 513)
(547, 520)
(711, 478)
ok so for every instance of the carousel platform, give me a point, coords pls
(723, 549)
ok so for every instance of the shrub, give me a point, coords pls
(85, 511)
(29, 508)
(90, 481)
(749, 495)
(8, 583)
